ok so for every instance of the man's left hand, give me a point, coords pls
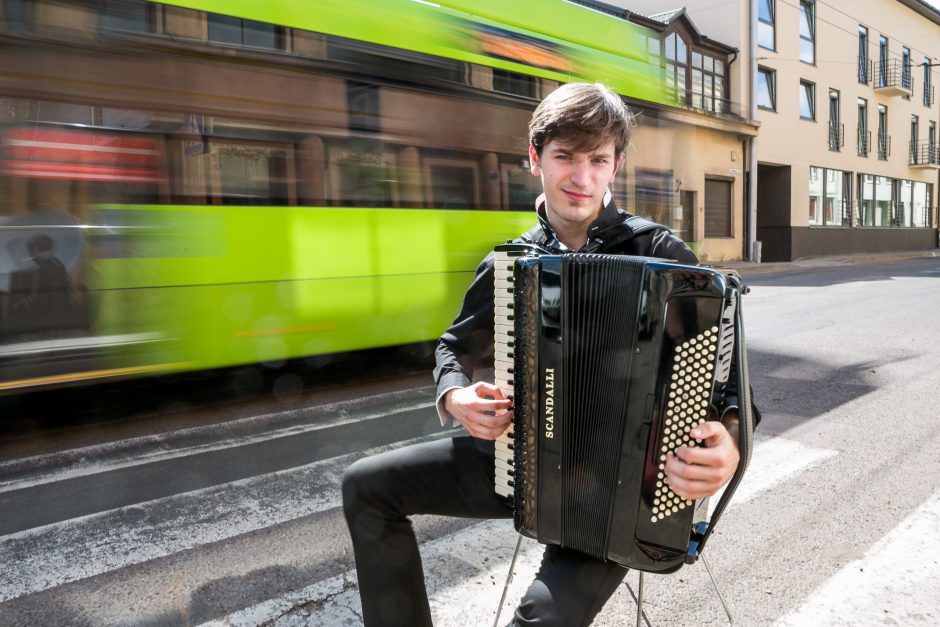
(694, 472)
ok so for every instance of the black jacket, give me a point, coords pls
(465, 351)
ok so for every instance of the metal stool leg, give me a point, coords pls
(717, 590)
(639, 602)
(512, 567)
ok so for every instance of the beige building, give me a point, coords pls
(846, 99)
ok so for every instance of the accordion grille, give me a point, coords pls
(599, 326)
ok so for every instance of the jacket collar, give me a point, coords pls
(609, 217)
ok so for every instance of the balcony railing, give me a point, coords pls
(928, 96)
(924, 154)
(864, 70)
(864, 142)
(884, 146)
(836, 136)
(893, 78)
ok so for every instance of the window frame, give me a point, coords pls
(809, 88)
(864, 65)
(835, 120)
(863, 150)
(808, 7)
(771, 24)
(884, 139)
(928, 86)
(771, 76)
(845, 197)
(884, 54)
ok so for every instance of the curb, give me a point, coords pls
(824, 261)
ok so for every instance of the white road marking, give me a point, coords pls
(55, 554)
(897, 582)
(90, 460)
(773, 460)
(465, 571)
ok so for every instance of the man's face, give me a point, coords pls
(574, 182)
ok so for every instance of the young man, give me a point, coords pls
(578, 136)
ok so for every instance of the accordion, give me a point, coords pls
(610, 361)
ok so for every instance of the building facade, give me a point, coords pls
(701, 141)
(847, 150)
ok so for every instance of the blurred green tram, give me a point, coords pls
(196, 185)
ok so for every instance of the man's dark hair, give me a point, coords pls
(583, 115)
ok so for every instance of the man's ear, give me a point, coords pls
(534, 166)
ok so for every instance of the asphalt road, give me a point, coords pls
(224, 509)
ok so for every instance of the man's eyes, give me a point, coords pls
(564, 157)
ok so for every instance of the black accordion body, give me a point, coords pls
(610, 361)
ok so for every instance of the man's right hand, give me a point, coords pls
(481, 408)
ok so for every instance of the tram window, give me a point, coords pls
(519, 187)
(250, 175)
(64, 113)
(239, 32)
(359, 173)
(452, 183)
(362, 100)
(128, 15)
(513, 83)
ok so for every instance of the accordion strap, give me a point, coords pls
(703, 530)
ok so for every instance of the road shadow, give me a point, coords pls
(822, 276)
(791, 390)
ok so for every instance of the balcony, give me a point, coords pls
(893, 78)
(924, 155)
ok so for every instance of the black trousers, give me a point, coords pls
(451, 477)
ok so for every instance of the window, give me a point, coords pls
(766, 37)
(249, 173)
(362, 104)
(766, 96)
(807, 32)
(718, 208)
(915, 131)
(836, 136)
(677, 62)
(864, 137)
(708, 77)
(928, 88)
(885, 202)
(920, 204)
(906, 81)
(829, 194)
(513, 83)
(128, 15)
(932, 156)
(864, 71)
(807, 100)
(884, 140)
(882, 61)
(905, 196)
(249, 33)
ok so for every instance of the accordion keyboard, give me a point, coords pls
(503, 363)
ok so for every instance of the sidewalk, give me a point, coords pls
(748, 267)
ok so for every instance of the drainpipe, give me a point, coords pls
(752, 246)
